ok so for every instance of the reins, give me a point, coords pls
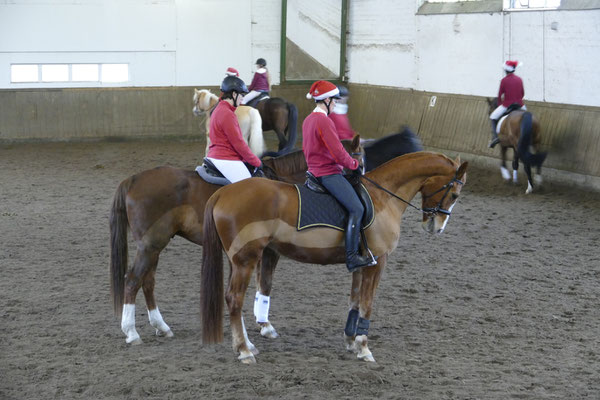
(427, 210)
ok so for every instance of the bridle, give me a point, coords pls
(430, 211)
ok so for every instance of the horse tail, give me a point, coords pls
(292, 133)
(255, 139)
(211, 296)
(118, 246)
(525, 141)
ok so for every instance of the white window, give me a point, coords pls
(24, 73)
(85, 73)
(115, 73)
(55, 73)
(80, 73)
(531, 4)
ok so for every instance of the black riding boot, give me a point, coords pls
(354, 260)
(495, 139)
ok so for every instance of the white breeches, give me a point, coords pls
(233, 170)
(497, 113)
(250, 96)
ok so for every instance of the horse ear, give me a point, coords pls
(356, 141)
(462, 169)
(457, 159)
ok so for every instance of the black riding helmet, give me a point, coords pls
(233, 84)
(343, 90)
(262, 62)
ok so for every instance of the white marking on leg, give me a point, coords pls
(261, 307)
(128, 324)
(249, 344)
(363, 349)
(505, 173)
(267, 330)
(156, 320)
(529, 188)
(515, 176)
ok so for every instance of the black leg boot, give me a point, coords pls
(495, 139)
(354, 260)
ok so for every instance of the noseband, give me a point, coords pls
(430, 211)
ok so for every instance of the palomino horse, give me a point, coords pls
(156, 205)
(248, 118)
(233, 222)
(520, 130)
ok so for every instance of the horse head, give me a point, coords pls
(492, 103)
(356, 151)
(439, 194)
(203, 100)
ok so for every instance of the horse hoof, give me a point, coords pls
(135, 341)
(247, 359)
(269, 332)
(168, 334)
(367, 357)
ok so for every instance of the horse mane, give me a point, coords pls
(287, 164)
(204, 102)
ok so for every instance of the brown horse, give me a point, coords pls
(158, 204)
(234, 223)
(280, 116)
(520, 130)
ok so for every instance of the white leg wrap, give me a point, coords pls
(505, 173)
(261, 307)
(156, 320)
(128, 324)
(514, 176)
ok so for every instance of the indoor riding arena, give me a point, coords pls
(504, 304)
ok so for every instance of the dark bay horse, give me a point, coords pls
(233, 223)
(282, 117)
(520, 130)
(159, 203)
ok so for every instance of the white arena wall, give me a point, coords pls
(190, 43)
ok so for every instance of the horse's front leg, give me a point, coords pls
(527, 168)
(368, 286)
(353, 313)
(262, 299)
(503, 169)
(241, 272)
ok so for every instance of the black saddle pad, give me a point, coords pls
(322, 209)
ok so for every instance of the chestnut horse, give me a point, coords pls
(160, 203)
(233, 222)
(248, 119)
(520, 130)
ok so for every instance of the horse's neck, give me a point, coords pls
(290, 164)
(404, 176)
(212, 101)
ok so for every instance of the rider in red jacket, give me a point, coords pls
(228, 150)
(326, 159)
(511, 92)
(339, 116)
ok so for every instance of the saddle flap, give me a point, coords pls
(313, 183)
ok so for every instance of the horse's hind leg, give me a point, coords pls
(515, 165)
(156, 319)
(262, 300)
(144, 264)
(503, 169)
(241, 273)
(527, 168)
(368, 286)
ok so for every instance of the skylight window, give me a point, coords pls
(79, 73)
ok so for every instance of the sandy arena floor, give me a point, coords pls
(505, 304)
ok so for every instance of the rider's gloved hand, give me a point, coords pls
(259, 172)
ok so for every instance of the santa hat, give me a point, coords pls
(232, 72)
(320, 90)
(510, 65)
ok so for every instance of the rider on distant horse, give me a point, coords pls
(260, 81)
(511, 92)
(339, 116)
(326, 158)
(228, 151)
